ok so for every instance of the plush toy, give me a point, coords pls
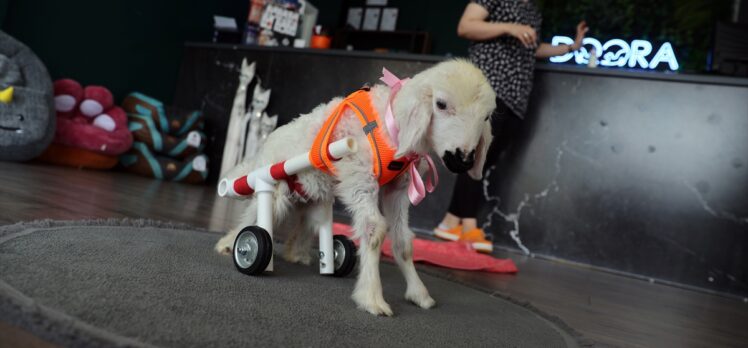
(168, 142)
(144, 130)
(87, 121)
(177, 123)
(27, 120)
(76, 157)
(141, 160)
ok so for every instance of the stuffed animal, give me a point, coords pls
(177, 123)
(88, 119)
(141, 160)
(91, 130)
(145, 131)
(76, 157)
(27, 119)
(169, 142)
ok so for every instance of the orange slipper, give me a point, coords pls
(447, 233)
(478, 240)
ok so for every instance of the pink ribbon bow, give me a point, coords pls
(416, 189)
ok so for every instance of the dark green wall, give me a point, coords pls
(137, 44)
(123, 45)
(3, 10)
(438, 17)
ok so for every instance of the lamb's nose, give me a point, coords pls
(470, 158)
(458, 161)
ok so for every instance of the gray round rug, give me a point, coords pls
(143, 283)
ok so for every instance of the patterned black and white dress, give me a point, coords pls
(504, 60)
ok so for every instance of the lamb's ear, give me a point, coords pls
(480, 153)
(413, 118)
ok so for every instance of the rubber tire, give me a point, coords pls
(349, 263)
(264, 252)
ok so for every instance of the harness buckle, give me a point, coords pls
(396, 166)
(369, 127)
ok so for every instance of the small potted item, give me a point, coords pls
(320, 39)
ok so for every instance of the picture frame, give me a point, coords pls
(388, 21)
(371, 18)
(355, 16)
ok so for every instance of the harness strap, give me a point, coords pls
(360, 104)
(319, 155)
(382, 154)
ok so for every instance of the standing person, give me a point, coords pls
(504, 45)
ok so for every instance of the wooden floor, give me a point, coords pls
(606, 308)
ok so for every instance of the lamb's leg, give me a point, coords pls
(369, 225)
(298, 245)
(316, 215)
(395, 205)
(226, 243)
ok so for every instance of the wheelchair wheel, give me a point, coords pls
(344, 255)
(253, 249)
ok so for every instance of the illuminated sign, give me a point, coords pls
(618, 53)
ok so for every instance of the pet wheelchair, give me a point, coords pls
(253, 246)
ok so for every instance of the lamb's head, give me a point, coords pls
(446, 109)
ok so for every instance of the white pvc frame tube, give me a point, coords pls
(292, 166)
(262, 183)
(265, 211)
(322, 214)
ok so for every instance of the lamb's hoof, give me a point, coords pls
(295, 257)
(420, 298)
(382, 309)
(372, 305)
(224, 245)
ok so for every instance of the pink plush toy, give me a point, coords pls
(88, 119)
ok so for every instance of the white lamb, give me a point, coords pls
(444, 109)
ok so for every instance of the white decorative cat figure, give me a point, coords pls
(254, 117)
(232, 149)
(268, 126)
(259, 131)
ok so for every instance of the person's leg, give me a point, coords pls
(468, 197)
(449, 228)
(472, 197)
(504, 138)
(475, 201)
(450, 220)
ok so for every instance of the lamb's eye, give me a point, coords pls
(441, 105)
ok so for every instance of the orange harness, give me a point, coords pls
(386, 167)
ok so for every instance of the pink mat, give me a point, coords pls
(456, 255)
